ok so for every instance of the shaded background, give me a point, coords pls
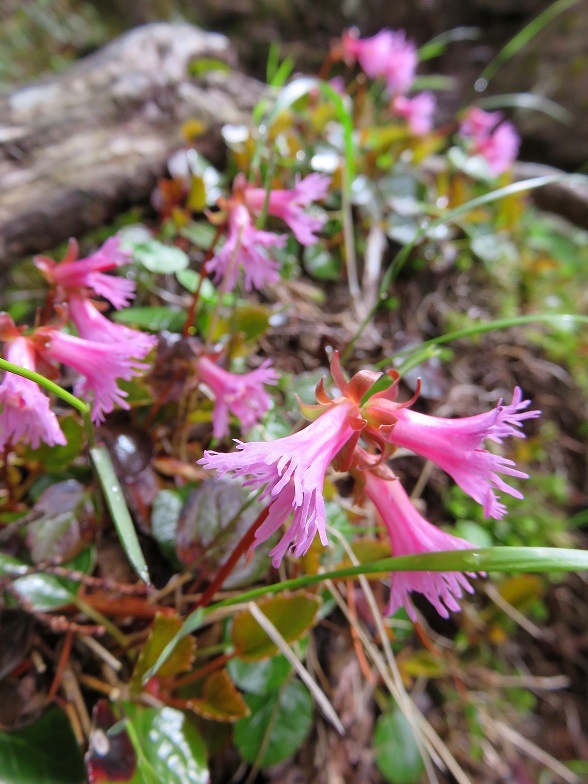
(37, 36)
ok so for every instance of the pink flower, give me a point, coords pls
(500, 149)
(99, 364)
(25, 414)
(456, 445)
(289, 205)
(387, 54)
(245, 248)
(411, 534)
(92, 325)
(478, 123)
(498, 142)
(242, 395)
(417, 111)
(73, 274)
(291, 471)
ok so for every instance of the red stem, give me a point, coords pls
(231, 562)
(196, 297)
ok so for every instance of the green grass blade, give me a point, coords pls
(524, 36)
(561, 319)
(452, 215)
(437, 45)
(119, 510)
(488, 559)
(531, 101)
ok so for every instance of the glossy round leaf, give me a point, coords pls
(291, 615)
(397, 755)
(284, 716)
(171, 748)
(160, 258)
(260, 677)
(46, 752)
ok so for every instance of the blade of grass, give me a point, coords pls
(528, 101)
(487, 559)
(119, 510)
(522, 38)
(287, 97)
(423, 349)
(319, 696)
(437, 45)
(451, 215)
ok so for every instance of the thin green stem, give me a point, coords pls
(403, 254)
(488, 326)
(222, 291)
(50, 386)
(268, 189)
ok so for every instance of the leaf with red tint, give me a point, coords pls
(111, 756)
(165, 628)
(292, 615)
(220, 699)
(213, 521)
(65, 524)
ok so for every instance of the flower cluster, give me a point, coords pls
(102, 353)
(245, 248)
(486, 134)
(388, 55)
(243, 395)
(291, 471)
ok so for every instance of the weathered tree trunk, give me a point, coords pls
(79, 147)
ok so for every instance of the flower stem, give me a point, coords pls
(50, 386)
(230, 563)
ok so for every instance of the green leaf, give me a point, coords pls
(321, 264)
(260, 677)
(44, 753)
(252, 321)
(220, 699)
(44, 592)
(213, 521)
(57, 534)
(203, 65)
(190, 280)
(397, 754)
(159, 258)
(60, 456)
(119, 510)
(164, 521)
(152, 318)
(199, 233)
(277, 726)
(165, 628)
(291, 615)
(169, 747)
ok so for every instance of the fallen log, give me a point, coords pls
(80, 147)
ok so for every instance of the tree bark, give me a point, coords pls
(80, 147)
